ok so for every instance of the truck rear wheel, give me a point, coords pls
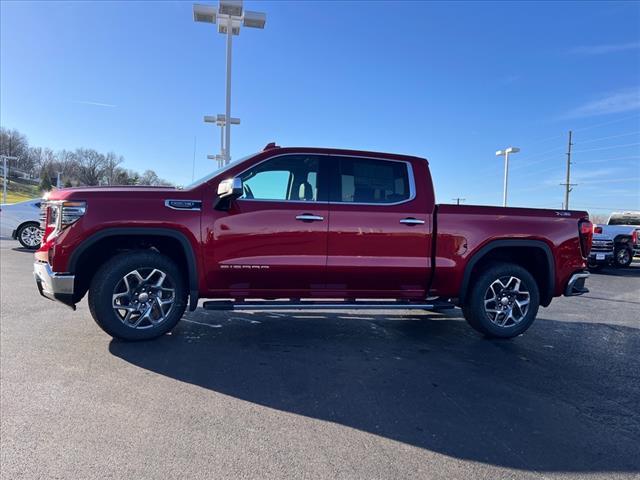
(502, 301)
(138, 295)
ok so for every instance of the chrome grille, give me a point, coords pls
(602, 246)
(43, 214)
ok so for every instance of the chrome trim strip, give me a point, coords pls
(167, 204)
(211, 305)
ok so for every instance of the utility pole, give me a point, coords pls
(459, 200)
(568, 185)
(5, 175)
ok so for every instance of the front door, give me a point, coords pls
(379, 243)
(272, 242)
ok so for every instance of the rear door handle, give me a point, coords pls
(307, 217)
(412, 221)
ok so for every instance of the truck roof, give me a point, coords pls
(340, 151)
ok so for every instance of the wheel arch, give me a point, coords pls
(623, 239)
(515, 250)
(134, 235)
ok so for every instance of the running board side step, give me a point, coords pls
(320, 305)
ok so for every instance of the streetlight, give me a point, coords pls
(220, 120)
(5, 175)
(505, 153)
(218, 158)
(229, 15)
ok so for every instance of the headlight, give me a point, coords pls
(72, 211)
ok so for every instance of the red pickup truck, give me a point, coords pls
(305, 228)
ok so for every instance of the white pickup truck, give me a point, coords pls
(624, 229)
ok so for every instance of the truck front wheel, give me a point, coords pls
(137, 295)
(623, 256)
(502, 301)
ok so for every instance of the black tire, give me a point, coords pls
(623, 257)
(111, 276)
(26, 235)
(474, 306)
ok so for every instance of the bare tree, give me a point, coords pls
(84, 166)
(91, 165)
(111, 170)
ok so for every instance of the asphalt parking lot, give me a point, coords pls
(321, 395)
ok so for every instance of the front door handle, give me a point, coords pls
(307, 217)
(412, 221)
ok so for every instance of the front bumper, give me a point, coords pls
(52, 285)
(575, 285)
(605, 257)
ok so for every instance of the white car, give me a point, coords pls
(21, 221)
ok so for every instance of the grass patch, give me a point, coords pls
(19, 191)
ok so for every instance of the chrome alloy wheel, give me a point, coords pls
(143, 298)
(31, 236)
(622, 256)
(506, 301)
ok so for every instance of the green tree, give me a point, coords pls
(45, 183)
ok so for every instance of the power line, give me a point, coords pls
(459, 200)
(602, 160)
(608, 148)
(606, 123)
(637, 132)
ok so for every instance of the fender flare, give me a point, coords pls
(623, 238)
(545, 297)
(189, 254)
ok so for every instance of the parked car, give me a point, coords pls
(602, 250)
(21, 221)
(624, 228)
(302, 224)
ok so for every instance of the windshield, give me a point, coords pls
(215, 173)
(625, 220)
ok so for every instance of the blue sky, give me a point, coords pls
(452, 82)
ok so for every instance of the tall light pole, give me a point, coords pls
(5, 175)
(229, 16)
(505, 153)
(218, 158)
(221, 122)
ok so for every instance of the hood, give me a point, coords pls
(82, 193)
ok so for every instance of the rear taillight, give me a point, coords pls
(597, 229)
(634, 237)
(585, 230)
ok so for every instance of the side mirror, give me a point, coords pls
(228, 190)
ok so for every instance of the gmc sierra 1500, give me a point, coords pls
(303, 224)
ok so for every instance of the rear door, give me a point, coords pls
(379, 229)
(273, 240)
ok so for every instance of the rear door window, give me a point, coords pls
(371, 181)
